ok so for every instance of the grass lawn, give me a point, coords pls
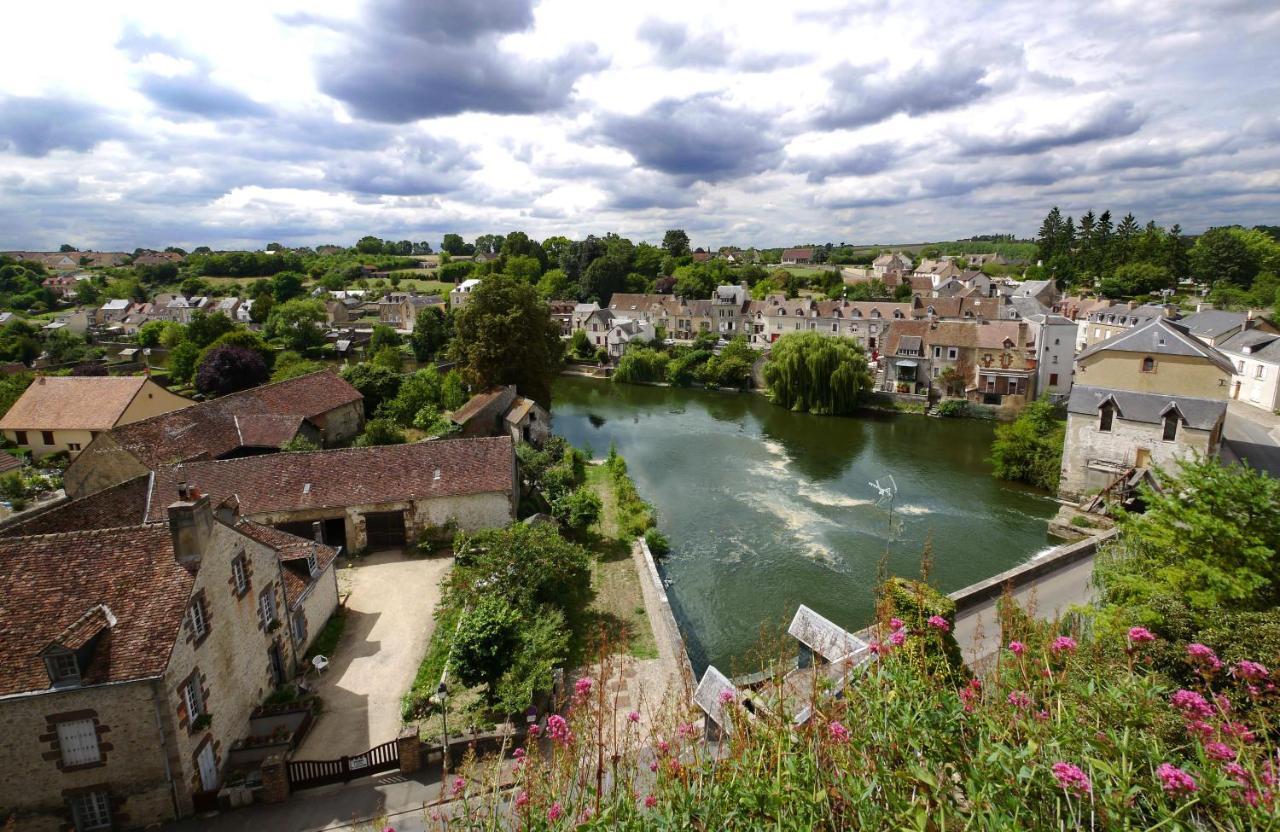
(618, 605)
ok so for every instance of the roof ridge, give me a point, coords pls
(353, 448)
(86, 532)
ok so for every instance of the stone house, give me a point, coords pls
(581, 311)
(461, 293)
(866, 322)
(938, 270)
(399, 310)
(181, 309)
(1142, 399)
(112, 312)
(907, 367)
(503, 412)
(890, 261)
(66, 413)
(1111, 320)
(1005, 364)
(562, 314)
(624, 331)
(121, 699)
(254, 421)
(597, 324)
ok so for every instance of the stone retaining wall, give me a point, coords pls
(665, 628)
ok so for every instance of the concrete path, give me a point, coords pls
(388, 626)
(1253, 437)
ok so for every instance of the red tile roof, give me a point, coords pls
(293, 551)
(347, 476)
(267, 430)
(52, 582)
(73, 403)
(120, 505)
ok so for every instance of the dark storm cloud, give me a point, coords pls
(675, 47)
(1108, 120)
(197, 95)
(642, 192)
(32, 126)
(859, 97)
(414, 169)
(412, 60)
(866, 160)
(698, 138)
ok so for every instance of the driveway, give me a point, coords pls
(388, 626)
(1253, 435)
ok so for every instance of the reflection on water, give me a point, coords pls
(767, 509)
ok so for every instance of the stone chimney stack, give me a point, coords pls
(317, 532)
(190, 524)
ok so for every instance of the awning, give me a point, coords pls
(906, 363)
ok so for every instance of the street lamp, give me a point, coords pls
(441, 694)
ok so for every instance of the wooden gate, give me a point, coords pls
(303, 774)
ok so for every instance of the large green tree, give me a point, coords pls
(1221, 254)
(506, 335)
(1029, 449)
(298, 324)
(676, 242)
(430, 333)
(814, 373)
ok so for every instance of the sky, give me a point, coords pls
(147, 123)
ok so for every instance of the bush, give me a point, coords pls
(1029, 449)
(227, 369)
(917, 604)
(641, 364)
(657, 542)
(953, 408)
(380, 432)
(578, 509)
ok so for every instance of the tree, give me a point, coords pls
(487, 637)
(65, 347)
(298, 324)
(580, 345)
(260, 311)
(389, 357)
(11, 389)
(1221, 254)
(291, 365)
(524, 267)
(1029, 449)
(454, 245)
(248, 339)
(430, 333)
(380, 432)
(808, 372)
(732, 367)
(676, 242)
(554, 285)
(1176, 259)
(229, 368)
(505, 335)
(66, 247)
(384, 336)
(376, 384)
(205, 328)
(1132, 279)
(18, 342)
(578, 509)
(182, 362)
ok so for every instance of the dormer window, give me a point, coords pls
(64, 668)
(1170, 426)
(313, 565)
(1106, 415)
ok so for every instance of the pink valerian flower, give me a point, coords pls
(650, 801)
(937, 622)
(555, 812)
(1042, 715)
(970, 693)
(1239, 731)
(898, 638)
(1072, 779)
(1063, 644)
(558, 729)
(663, 746)
(534, 731)
(896, 624)
(726, 696)
(687, 731)
(633, 716)
(1017, 648)
(1138, 635)
(838, 732)
(653, 766)
(1200, 728)
(875, 648)
(1192, 704)
(519, 753)
(673, 764)
(582, 688)
(458, 786)
(1174, 780)
(1202, 655)
(1219, 751)
(1237, 772)
(522, 800)
(1249, 670)
(1020, 700)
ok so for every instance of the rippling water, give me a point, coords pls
(767, 509)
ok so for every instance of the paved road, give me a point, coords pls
(388, 625)
(1254, 437)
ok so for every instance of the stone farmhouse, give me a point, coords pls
(319, 405)
(66, 413)
(399, 310)
(503, 412)
(1142, 399)
(133, 656)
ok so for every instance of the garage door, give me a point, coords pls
(385, 529)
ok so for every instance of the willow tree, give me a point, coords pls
(813, 373)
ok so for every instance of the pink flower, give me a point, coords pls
(1063, 644)
(558, 729)
(634, 716)
(1249, 670)
(1174, 780)
(896, 624)
(555, 812)
(1219, 751)
(1140, 634)
(534, 730)
(875, 648)
(1238, 730)
(1236, 772)
(1192, 704)
(687, 731)
(1019, 699)
(1072, 779)
(650, 801)
(1017, 648)
(939, 623)
(663, 746)
(519, 754)
(1200, 654)
(838, 732)
(1042, 714)
(458, 785)
(653, 766)
(726, 696)
(522, 800)
(898, 638)
(582, 688)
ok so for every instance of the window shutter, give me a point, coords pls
(79, 742)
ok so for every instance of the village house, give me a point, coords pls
(971, 308)
(318, 405)
(1142, 399)
(1052, 344)
(503, 412)
(131, 658)
(865, 322)
(938, 270)
(65, 413)
(181, 309)
(461, 293)
(1255, 354)
(623, 331)
(797, 257)
(112, 312)
(399, 310)
(907, 368)
(157, 258)
(244, 312)
(581, 311)
(562, 314)
(890, 261)
(1214, 326)
(1113, 319)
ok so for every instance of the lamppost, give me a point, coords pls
(442, 697)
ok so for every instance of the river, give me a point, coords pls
(767, 509)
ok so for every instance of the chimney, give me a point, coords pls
(190, 525)
(317, 532)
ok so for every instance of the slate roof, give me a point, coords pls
(1151, 408)
(347, 476)
(1160, 336)
(73, 403)
(1213, 323)
(1261, 345)
(120, 505)
(208, 429)
(53, 581)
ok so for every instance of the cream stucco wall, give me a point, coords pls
(1174, 375)
(152, 400)
(1246, 386)
(71, 441)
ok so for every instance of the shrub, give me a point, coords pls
(1029, 449)
(578, 509)
(227, 368)
(380, 432)
(917, 605)
(640, 364)
(657, 542)
(953, 408)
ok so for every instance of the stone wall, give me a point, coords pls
(318, 606)
(342, 423)
(1120, 446)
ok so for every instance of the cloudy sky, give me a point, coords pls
(238, 123)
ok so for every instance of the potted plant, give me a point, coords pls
(201, 722)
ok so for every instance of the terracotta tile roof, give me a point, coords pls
(901, 330)
(797, 254)
(208, 430)
(478, 404)
(120, 505)
(52, 582)
(992, 335)
(73, 403)
(9, 462)
(293, 551)
(347, 476)
(267, 430)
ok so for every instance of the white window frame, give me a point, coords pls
(267, 607)
(313, 565)
(55, 665)
(1260, 373)
(299, 625)
(91, 811)
(198, 620)
(194, 699)
(239, 575)
(78, 742)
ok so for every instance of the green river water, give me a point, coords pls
(767, 509)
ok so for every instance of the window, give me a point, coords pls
(1148, 365)
(313, 566)
(198, 620)
(873, 329)
(300, 626)
(1053, 379)
(91, 811)
(239, 575)
(937, 352)
(1170, 427)
(63, 667)
(1106, 414)
(1239, 368)
(46, 436)
(78, 742)
(267, 607)
(835, 327)
(20, 436)
(1053, 360)
(953, 353)
(192, 697)
(73, 446)
(1260, 373)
